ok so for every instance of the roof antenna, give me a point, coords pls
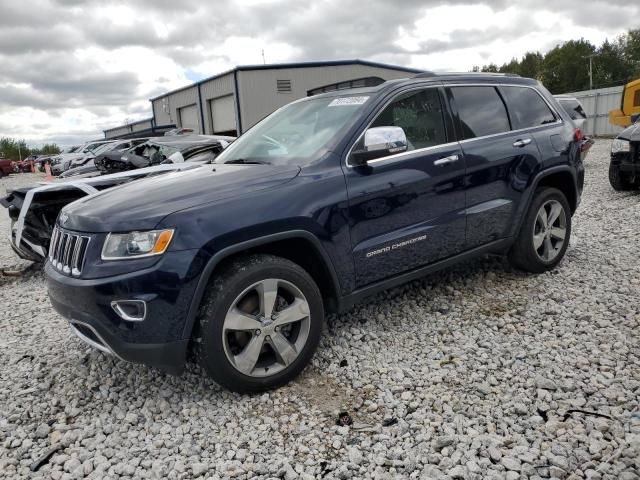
(264, 62)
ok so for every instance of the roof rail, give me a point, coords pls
(453, 74)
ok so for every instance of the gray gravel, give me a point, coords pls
(477, 372)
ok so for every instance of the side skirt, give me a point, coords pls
(347, 302)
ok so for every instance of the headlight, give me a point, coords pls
(120, 246)
(620, 145)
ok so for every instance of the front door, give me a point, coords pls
(407, 210)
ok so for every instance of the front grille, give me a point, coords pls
(67, 251)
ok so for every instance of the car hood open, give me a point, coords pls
(142, 204)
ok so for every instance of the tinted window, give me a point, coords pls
(420, 116)
(481, 111)
(573, 108)
(527, 108)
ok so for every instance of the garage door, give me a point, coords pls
(189, 117)
(223, 114)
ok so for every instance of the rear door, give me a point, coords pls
(499, 161)
(407, 210)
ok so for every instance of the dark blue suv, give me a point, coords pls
(329, 199)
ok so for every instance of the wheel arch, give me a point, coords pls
(299, 246)
(563, 180)
(560, 177)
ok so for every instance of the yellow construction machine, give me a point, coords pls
(629, 106)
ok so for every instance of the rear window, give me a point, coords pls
(481, 111)
(573, 108)
(527, 108)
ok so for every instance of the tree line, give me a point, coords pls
(565, 68)
(16, 149)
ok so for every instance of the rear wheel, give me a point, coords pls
(621, 181)
(259, 324)
(545, 232)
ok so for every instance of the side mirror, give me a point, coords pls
(378, 142)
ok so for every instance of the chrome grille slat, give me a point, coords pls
(52, 243)
(67, 251)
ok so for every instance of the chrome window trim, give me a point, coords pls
(395, 156)
(559, 120)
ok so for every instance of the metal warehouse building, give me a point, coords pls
(233, 101)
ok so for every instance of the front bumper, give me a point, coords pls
(628, 162)
(158, 340)
(29, 248)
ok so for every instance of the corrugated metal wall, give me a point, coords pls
(125, 129)
(597, 104)
(139, 126)
(259, 96)
(166, 108)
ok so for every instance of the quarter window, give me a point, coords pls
(420, 116)
(573, 108)
(481, 111)
(527, 108)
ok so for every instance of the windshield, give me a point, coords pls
(296, 133)
(105, 147)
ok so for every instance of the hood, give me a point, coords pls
(140, 205)
(631, 133)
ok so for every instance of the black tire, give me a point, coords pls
(224, 290)
(1, 174)
(619, 180)
(523, 254)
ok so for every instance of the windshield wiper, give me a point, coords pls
(248, 161)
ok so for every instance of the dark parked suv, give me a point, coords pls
(328, 200)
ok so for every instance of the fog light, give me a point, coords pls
(130, 310)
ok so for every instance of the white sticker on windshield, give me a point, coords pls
(338, 102)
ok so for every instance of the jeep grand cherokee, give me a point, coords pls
(326, 201)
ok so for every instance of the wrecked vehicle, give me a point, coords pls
(624, 166)
(86, 164)
(172, 149)
(62, 162)
(33, 210)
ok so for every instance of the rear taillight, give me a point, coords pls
(577, 134)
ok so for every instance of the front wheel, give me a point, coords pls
(620, 181)
(259, 324)
(545, 232)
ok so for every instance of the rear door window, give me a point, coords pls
(481, 111)
(527, 108)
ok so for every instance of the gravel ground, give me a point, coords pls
(477, 372)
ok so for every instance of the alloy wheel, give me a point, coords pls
(266, 328)
(550, 230)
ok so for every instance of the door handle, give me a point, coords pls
(521, 142)
(446, 160)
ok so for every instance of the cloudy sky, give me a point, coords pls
(71, 68)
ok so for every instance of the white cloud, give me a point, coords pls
(74, 67)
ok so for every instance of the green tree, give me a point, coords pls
(15, 149)
(492, 67)
(512, 67)
(609, 64)
(631, 53)
(531, 65)
(566, 67)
